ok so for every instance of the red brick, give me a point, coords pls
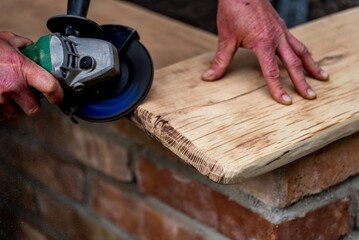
(238, 222)
(16, 189)
(48, 168)
(136, 216)
(232, 219)
(309, 175)
(96, 151)
(191, 197)
(71, 222)
(328, 222)
(200, 202)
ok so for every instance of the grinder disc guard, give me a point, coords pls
(117, 97)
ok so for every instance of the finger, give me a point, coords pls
(43, 81)
(308, 63)
(294, 67)
(26, 101)
(15, 40)
(271, 73)
(8, 110)
(221, 61)
(21, 42)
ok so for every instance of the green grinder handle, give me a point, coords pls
(39, 52)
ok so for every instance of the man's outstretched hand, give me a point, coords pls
(17, 73)
(254, 24)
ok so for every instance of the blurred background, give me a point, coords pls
(202, 14)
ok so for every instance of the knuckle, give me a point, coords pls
(271, 34)
(266, 46)
(25, 65)
(50, 87)
(300, 82)
(266, 36)
(296, 63)
(303, 50)
(267, 30)
(52, 91)
(224, 54)
(229, 44)
(265, 52)
(219, 61)
(273, 74)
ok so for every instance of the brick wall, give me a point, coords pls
(59, 180)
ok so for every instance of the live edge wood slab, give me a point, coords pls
(232, 129)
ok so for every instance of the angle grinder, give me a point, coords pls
(105, 71)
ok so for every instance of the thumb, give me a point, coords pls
(43, 81)
(20, 42)
(223, 58)
(14, 40)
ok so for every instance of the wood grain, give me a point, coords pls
(232, 129)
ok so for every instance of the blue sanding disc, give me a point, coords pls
(128, 89)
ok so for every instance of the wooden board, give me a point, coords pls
(232, 129)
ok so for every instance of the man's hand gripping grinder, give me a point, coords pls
(105, 71)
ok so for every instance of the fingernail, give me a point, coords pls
(286, 99)
(208, 75)
(311, 93)
(324, 74)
